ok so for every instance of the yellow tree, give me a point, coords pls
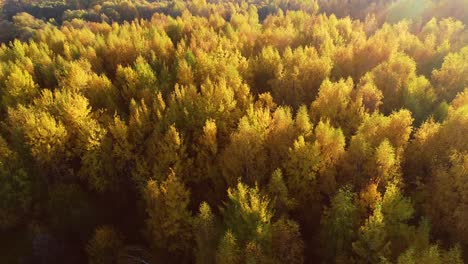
(245, 156)
(391, 77)
(169, 222)
(335, 103)
(375, 152)
(20, 87)
(105, 246)
(301, 169)
(451, 78)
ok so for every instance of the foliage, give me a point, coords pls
(276, 131)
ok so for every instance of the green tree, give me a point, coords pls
(278, 191)
(247, 214)
(137, 82)
(339, 224)
(386, 233)
(419, 98)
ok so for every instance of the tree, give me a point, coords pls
(16, 195)
(391, 77)
(422, 251)
(169, 222)
(264, 69)
(372, 245)
(421, 150)
(169, 154)
(461, 100)
(419, 98)
(281, 134)
(302, 73)
(386, 233)
(301, 170)
(451, 79)
(19, 87)
(331, 143)
(368, 154)
(206, 152)
(250, 235)
(368, 93)
(107, 167)
(27, 25)
(287, 244)
(278, 191)
(433, 254)
(137, 82)
(247, 214)
(245, 155)
(206, 235)
(104, 247)
(447, 200)
(334, 102)
(303, 123)
(228, 251)
(339, 223)
(386, 165)
(74, 76)
(45, 136)
(397, 211)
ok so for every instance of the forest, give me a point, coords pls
(232, 132)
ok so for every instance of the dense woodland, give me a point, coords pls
(266, 132)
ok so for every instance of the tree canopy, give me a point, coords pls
(247, 131)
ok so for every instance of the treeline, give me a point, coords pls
(15, 22)
(211, 136)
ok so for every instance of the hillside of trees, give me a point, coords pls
(225, 132)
